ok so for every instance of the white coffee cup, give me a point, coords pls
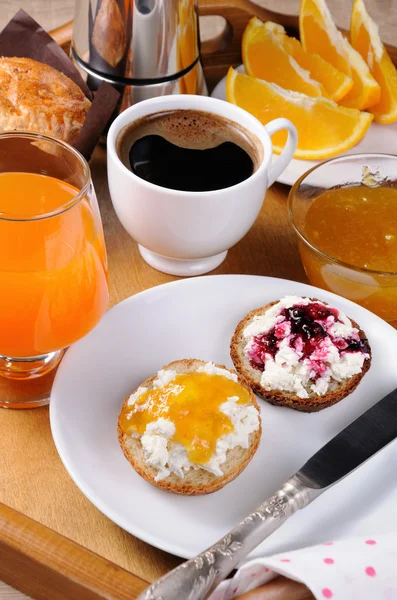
(189, 233)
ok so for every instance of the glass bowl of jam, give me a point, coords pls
(344, 212)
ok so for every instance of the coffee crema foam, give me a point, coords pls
(152, 143)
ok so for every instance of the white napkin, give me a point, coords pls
(361, 568)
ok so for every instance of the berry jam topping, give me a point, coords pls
(261, 346)
(307, 327)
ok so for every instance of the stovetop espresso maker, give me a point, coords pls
(145, 48)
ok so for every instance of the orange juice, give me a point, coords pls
(356, 225)
(53, 271)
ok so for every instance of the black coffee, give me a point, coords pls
(189, 150)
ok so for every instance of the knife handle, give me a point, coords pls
(196, 578)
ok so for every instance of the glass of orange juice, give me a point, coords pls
(53, 269)
(344, 212)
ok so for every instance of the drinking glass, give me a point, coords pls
(53, 266)
(375, 290)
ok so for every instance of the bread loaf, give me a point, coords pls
(36, 97)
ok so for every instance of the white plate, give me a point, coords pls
(196, 318)
(379, 138)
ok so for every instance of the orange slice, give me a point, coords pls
(365, 39)
(335, 83)
(324, 128)
(187, 45)
(266, 58)
(319, 34)
(365, 91)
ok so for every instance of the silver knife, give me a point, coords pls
(196, 578)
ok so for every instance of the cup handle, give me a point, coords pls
(289, 148)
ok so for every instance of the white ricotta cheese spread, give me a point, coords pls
(168, 457)
(288, 370)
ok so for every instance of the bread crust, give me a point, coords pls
(282, 398)
(36, 97)
(237, 458)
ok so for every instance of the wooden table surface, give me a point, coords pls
(32, 477)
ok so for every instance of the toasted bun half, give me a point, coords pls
(36, 97)
(314, 403)
(195, 482)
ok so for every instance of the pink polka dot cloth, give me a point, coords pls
(362, 568)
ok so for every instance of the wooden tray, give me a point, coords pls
(54, 545)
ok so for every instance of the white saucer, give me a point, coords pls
(196, 318)
(379, 138)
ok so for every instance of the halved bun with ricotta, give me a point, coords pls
(216, 407)
(301, 353)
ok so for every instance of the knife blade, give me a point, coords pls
(354, 445)
(196, 578)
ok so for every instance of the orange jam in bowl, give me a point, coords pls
(192, 401)
(345, 215)
(357, 225)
